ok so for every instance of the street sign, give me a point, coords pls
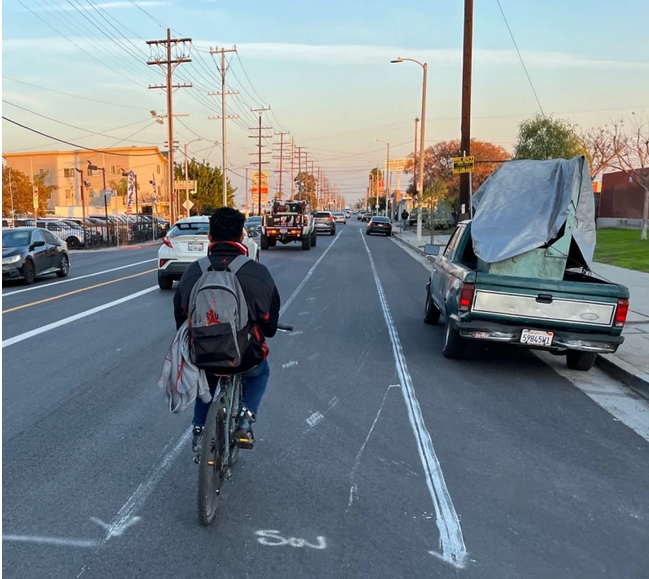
(397, 165)
(188, 205)
(184, 185)
(35, 197)
(463, 164)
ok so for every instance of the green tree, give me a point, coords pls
(17, 186)
(208, 194)
(305, 184)
(543, 138)
(121, 186)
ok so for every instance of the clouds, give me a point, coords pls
(357, 54)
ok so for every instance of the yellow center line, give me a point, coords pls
(78, 291)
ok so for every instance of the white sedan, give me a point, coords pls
(340, 217)
(185, 243)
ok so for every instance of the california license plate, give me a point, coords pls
(283, 229)
(537, 337)
(194, 246)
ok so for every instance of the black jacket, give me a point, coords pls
(261, 294)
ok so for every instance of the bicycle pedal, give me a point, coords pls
(245, 443)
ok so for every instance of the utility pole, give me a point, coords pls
(465, 144)
(281, 162)
(169, 64)
(247, 192)
(292, 168)
(224, 117)
(259, 151)
(299, 163)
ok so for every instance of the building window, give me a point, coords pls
(158, 169)
(91, 193)
(69, 173)
(42, 172)
(69, 194)
(113, 170)
(91, 172)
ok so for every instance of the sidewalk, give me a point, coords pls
(630, 364)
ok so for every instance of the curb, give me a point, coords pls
(120, 248)
(625, 373)
(618, 369)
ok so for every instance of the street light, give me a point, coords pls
(92, 167)
(386, 176)
(422, 146)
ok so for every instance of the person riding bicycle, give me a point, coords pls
(262, 298)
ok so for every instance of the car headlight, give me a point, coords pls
(12, 259)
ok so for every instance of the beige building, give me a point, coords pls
(60, 168)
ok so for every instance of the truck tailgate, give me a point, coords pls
(576, 304)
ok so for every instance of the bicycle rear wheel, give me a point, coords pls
(212, 466)
(237, 385)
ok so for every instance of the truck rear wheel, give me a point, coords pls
(431, 313)
(263, 241)
(306, 242)
(453, 342)
(272, 242)
(314, 238)
(582, 361)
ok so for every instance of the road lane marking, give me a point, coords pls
(289, 301)
(71, 279)
(272, 538)
(58, 541)
(448, 522)
(315, 418)
(290, 364)
(29, 305)
(70, 319)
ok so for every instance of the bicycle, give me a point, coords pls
(218, 451)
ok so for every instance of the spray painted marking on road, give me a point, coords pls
(314, 419)
(56, 541)
(296, 333)
(70, 280)
(272, 538)
(290, 364)
(64, 321)
(116, 531)
(448, 523)
(307, 277)
(353, 491)
(304, 313)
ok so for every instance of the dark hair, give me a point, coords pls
(226, 224)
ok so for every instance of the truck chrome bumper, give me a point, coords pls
(563, 340)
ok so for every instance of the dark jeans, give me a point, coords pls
(256, 381)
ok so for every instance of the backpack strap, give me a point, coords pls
(237, 263)
(205, 264)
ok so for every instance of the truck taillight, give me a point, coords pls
(621, 312)
(167, 242)
(466, 297)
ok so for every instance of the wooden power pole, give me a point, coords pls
(465, 145)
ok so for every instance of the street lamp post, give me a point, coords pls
(92, 167)
(83, 202)
(387, 175)
(422, 140)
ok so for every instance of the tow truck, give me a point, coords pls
(286, 222)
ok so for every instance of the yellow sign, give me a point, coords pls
(397, 165)
(463, 164)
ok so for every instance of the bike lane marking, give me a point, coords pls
(448, 523)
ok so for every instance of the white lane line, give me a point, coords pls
(353, 491)
(448, 523)
(71, 279)
(290, 364)
(58, 541)
(289, 301)
(74, 318)
(314, 419)
(138, 498)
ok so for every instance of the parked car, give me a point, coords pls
(30, 252)
(72, 234)
(186, 242)
(324, 222)
(379, 225)
(340, 217)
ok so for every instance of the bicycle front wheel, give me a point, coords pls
(212, 466)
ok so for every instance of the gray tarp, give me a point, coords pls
(524, 204)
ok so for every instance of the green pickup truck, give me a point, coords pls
(578, 315)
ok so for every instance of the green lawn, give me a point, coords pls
(622, 247)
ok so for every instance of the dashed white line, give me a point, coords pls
(448, 522)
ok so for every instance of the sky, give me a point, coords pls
(323, 68)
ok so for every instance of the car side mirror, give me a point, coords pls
(38, 244)
(431, 250)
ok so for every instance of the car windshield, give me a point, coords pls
(339, 214)
(16, 238)
(195, 228)
(254, 220)
(380, 220)
(322, 214)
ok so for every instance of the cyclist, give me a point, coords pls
(226, 242)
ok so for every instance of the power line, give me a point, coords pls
(75, 144)
(538, 102)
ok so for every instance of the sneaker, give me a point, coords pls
(243, 435)
(197, 434)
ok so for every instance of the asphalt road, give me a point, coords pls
(375, 456)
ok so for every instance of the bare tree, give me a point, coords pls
(602, 148)
(633, 159)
